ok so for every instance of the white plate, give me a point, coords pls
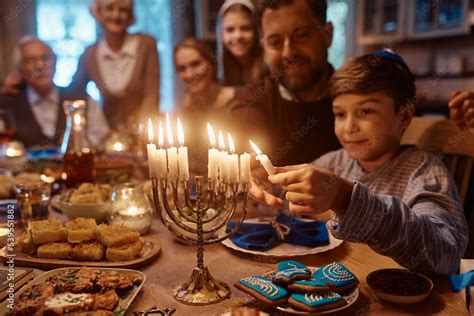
(285, 250)
(350, 298)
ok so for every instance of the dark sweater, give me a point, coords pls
(289, 132)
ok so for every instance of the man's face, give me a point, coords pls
(38, 65)
(295, 45)
(369, 127)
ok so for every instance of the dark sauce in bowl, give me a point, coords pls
(399, 282)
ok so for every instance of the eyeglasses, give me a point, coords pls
(43, 58)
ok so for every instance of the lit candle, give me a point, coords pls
(76, 129)
(245, 168)
(223, 170)
(232, 162)
(151, 152)
(172, 153)
(213, 155)
(161, 154)
(182, 154)
(266, 163)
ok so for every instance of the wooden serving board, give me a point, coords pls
(151, 250)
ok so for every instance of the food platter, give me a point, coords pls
(124, 303)
(151, 250)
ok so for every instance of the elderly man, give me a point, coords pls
(290, 109)
(37, 109)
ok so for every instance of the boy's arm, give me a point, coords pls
(427, 234)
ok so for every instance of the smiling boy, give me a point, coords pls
(399, 200)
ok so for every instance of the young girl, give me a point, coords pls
(240, 55)
(124, 66)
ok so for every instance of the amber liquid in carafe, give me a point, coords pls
(78, 168)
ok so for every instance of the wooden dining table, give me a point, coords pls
(177, 261)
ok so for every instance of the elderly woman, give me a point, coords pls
(124, 66)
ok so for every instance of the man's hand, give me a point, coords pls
(261, 189)
(461, 108)
(312, 190)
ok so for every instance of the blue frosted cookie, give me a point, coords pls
(312, 302)
(263, 289)
(336, 276)
(309, 286)
(289, 271)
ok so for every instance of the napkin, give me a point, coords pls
(262, 237)
(460, 281)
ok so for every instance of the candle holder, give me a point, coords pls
(201, 288)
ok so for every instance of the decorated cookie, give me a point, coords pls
(263, 289)
(309, 286)
(312, 302)
(336, 276)
(289, 271)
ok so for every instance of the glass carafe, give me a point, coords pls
(78, 159)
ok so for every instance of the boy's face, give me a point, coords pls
(369, 128)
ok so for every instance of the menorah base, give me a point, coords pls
(201, 289)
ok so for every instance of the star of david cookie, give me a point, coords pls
(289, 271)
(336, 276)
(263, 289)
(312, 302)
(309, 286)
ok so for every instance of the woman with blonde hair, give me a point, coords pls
(125, 67)
(240, 54)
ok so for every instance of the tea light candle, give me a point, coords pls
(151, 152)
(161, 154)
(213, 155)
(13, 149)
(183, 164)
(245, 168)
(172, 153)
(223, 169)
(136, 219)
(266, 163)
(232, 162)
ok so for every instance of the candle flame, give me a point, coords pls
(255, 148)
(150, 131)
(161, 140)
(212, 136)
(231, 143)
(118, 146)
(221, 141)
(77, 119)
(169, 131)
(180, 133)
(132, 211)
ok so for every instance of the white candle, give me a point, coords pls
(245, 168)
(264, 161)
(76, 129)
(213, 155)
(172, 153)
(232, 162)
(151, 152)
(161, 154)
(223, 169)
(183, 164)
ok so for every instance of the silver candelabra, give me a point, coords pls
(201, 288)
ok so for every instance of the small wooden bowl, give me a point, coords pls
(399, 286)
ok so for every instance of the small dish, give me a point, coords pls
(399, 286)
(98, 211)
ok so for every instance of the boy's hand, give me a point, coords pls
(312, 190)
(261, 189)
(461, 108)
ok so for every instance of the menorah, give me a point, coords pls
(201, 288)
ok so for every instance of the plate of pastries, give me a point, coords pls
(295, 288)
(49, 244)
(77, 291)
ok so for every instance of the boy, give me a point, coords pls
(401, 201)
